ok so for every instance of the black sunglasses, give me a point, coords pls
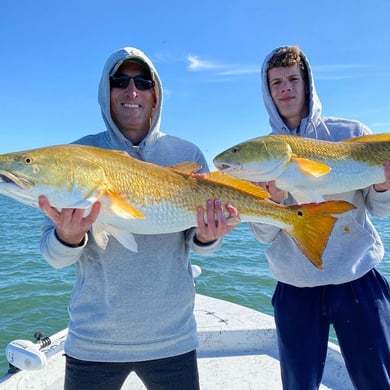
(123, 81)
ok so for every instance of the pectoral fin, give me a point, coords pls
(121, 207)
(312, 168)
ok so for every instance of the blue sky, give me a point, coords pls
(208, 54)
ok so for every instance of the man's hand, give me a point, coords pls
(277, 195)
(71, 225)
(386, 185)
(212, 222)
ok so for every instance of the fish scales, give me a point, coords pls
(372, 153)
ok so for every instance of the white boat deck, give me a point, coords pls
(237, 351)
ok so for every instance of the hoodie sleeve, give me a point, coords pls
(378, 203)
(202, 249)
(54, 252)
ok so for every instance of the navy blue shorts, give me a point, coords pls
(173, 373)
(360, 314)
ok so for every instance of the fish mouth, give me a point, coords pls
(248, 172)
(226, 167)
(9, 179)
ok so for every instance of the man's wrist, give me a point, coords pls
(200, 243)
(81, 243)
(376, 190)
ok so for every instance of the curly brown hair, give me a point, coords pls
(289, 56)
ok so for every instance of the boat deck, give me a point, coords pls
(237, 351)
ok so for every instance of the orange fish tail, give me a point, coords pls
(314, 227)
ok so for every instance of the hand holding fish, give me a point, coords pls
(277, 195)
(71, 224)
(386, 185)
(216, 224)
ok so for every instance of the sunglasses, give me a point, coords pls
(123, 82)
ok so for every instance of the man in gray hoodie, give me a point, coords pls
(132, 311)
(349, 293)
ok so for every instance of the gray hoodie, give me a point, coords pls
(354, 246)
(128, 306)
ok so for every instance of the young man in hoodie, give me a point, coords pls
(132, 311)
(349, 292)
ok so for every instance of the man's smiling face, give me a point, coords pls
(132, 108)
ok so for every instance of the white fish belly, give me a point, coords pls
(159, 219)
(342, 178)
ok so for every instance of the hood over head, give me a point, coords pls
(111, 66)
(309, 125)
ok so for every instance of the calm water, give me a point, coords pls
(34, 296)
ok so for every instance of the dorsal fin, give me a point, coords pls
(382, 137)
(230, 181)
(186, 168)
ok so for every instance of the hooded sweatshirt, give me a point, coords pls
(128, 306)
(351, 252)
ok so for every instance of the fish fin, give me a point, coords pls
(122, 208)
(101, 233)
(312, 168)
(124, 237)
(313, 227)
(382, 137)
(121, 153)
(230, 181)
(186, 168)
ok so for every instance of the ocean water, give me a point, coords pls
(34, 296)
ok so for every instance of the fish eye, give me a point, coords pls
(28, 160)
(235, 149)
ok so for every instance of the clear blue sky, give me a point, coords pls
(208, 54)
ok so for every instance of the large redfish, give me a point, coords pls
(140, 197)
(308, 168)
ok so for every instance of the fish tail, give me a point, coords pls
(314, 225)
